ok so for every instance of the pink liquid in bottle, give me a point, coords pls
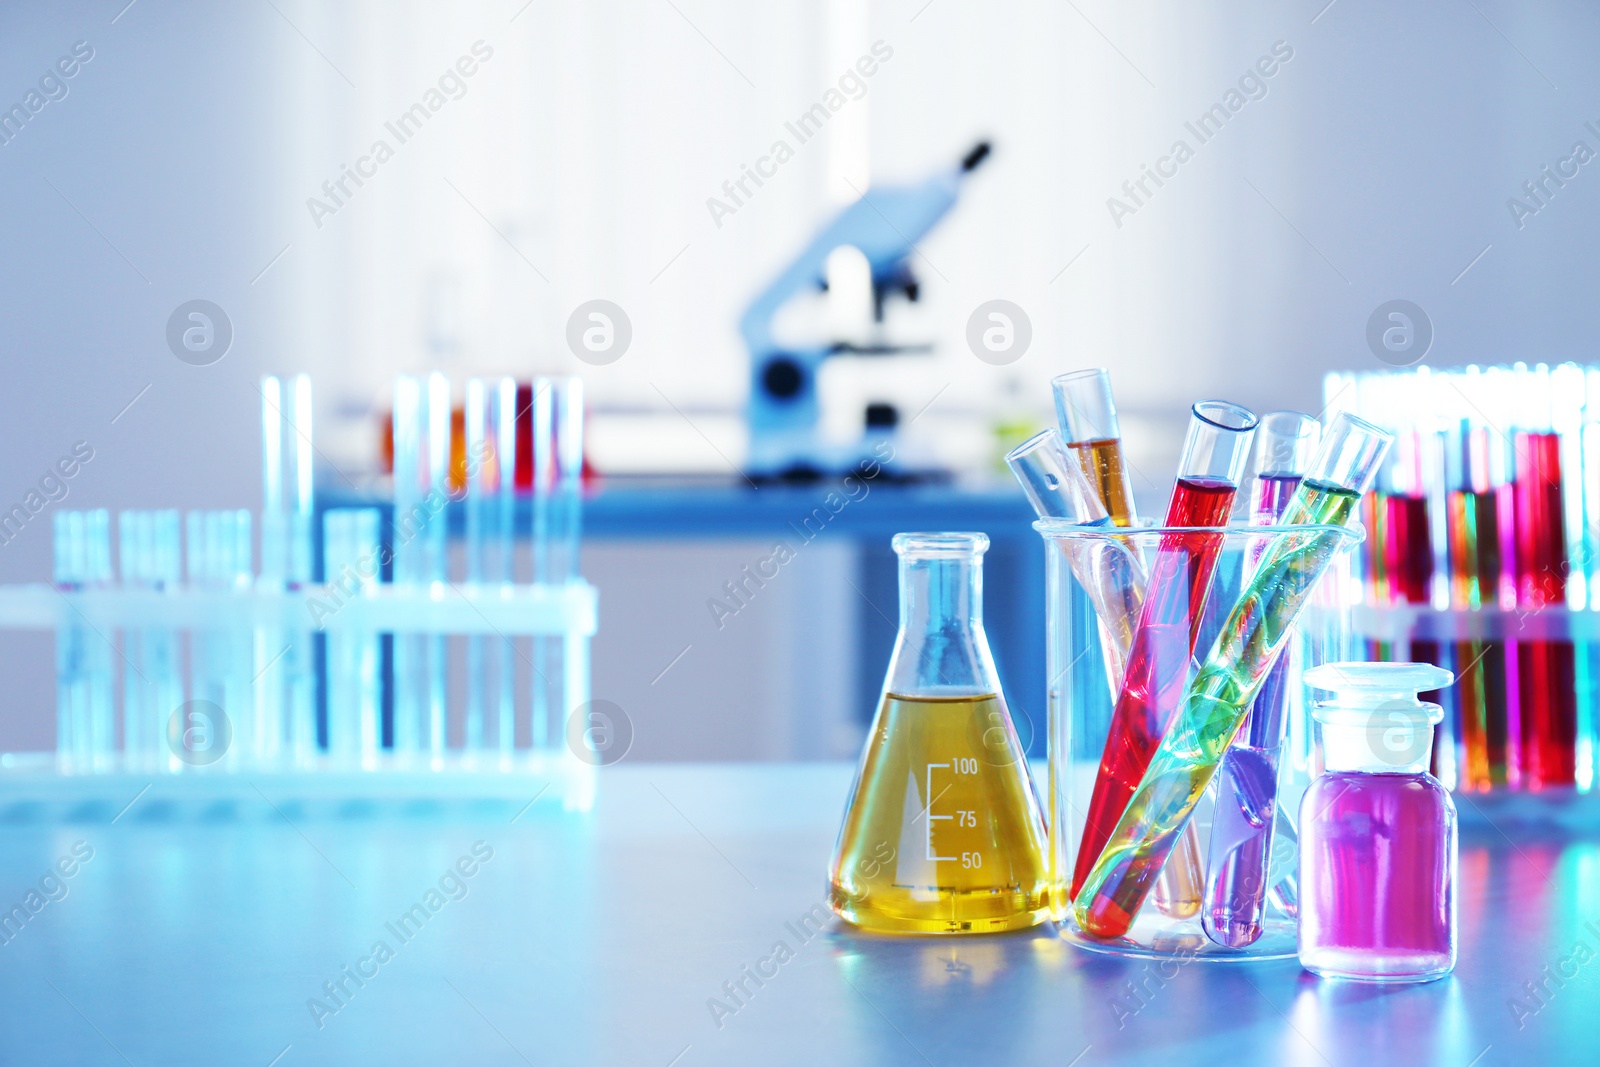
(1377, 832)
(1377, 854)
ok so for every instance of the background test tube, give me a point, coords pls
(1545, 667)
(151, 559)
(569, 414)
(421, 527)
(436, 537)
(545, 722)
(84, 735)
(1589, 660)
(221, 658)
(350, 565)
(491, 484)
(285, 671)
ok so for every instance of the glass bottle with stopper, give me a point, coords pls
(1377, 831)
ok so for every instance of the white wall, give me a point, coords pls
(1377, 166)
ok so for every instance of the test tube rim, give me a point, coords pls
(942, 543)
(1251, 420)
(1069, 412)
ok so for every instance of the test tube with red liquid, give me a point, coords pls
(1545, 668)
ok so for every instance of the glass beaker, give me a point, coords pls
(943, 833)
(1082, 695)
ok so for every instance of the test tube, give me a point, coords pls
(1108, 570)
(1054, 481)
(421, 527)
(1588, 750)
(547, 721)
(221, 657)
(285, 678)
(436, 536)
(1247, 811)
(1286, 444)
(150, 557)
(1545, 668)
(84, 711)
(1087, 415)
(559, 661)
(1566, 417)
(501, 564)
(491, 473)
(350, 553)
(568, 516)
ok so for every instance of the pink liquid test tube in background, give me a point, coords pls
(1214, 456)
(1238, 868)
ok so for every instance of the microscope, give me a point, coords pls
(784, 412)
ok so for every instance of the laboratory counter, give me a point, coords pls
(680, 922)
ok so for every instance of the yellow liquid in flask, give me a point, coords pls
(943, 835)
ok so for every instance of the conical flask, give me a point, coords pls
(943, 834)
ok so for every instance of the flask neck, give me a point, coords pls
(940, 594)
(941, 647)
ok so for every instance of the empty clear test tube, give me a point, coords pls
(152, 682)
(285, 679)
(221, 657)
(546, 722)
(566, 534)
(421, 529)
(84, 728)
(350, 555)
(490, 499)
(1111, 574)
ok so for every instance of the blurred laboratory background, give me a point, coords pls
(372, 189)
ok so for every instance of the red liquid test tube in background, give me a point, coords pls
(1545, 668)
(1407, 545)
(1213, 461)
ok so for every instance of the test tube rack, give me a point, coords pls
(109, 614)
(1483, 557)
(351, 687)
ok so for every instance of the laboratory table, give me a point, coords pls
(677, 924)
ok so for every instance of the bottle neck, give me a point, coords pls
(1375, 741)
